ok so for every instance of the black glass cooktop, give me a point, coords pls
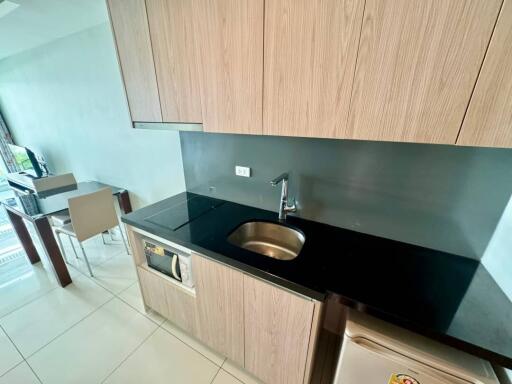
(179, 215)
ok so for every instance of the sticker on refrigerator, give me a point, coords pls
(399, 378)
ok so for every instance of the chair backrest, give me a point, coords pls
(93, 213)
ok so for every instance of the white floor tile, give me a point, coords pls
(225, 378)
(133, 297)
(121, 265)
(113, 284)
(194, 343)
(116, 274)
(40, 321)
(22, 374)
(97, 252)
(164, 359)
(240, 373)
(89, 351)
(9, 356)
(26, 284)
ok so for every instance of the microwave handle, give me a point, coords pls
(173, 267)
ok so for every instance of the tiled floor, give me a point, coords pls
(95, 330)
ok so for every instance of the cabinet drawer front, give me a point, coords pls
(277, 332)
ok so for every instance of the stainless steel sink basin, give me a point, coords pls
(268, 239)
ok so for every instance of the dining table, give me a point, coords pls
(38, 210)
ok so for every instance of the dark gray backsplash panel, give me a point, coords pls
(442, 197)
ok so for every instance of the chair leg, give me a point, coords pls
(111, 236)
(103, 238)
(73, 246)
(86, 259)
(59, 240)
(124, 240)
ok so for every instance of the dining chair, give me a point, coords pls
(91, 214)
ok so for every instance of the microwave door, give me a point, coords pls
(175, 268)
(159, 263)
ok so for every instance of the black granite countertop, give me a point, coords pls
(446, 297)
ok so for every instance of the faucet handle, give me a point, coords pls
(292, 207)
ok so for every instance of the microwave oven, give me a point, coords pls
(172, 262)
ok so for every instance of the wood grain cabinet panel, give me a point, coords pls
(175, 56)
(488, 121)
(219, 303)
(230, 43)
(168, 300)
(181, 308)
(278, 325)
(310, 57)
(153, 291)
(417, 65)
(131, 32)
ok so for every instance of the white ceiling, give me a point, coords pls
(37, 22)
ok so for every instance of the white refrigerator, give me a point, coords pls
(376, 352)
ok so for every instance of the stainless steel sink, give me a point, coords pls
(268, 239)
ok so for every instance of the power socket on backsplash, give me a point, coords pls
(242, 171)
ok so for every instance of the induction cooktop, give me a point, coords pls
(184, 213)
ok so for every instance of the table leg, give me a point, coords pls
(124, 202)
(24, 237)
(52, 250)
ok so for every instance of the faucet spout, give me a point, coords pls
(284, 207)
(278, 179)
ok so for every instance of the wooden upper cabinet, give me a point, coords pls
(230, 42)
(488, 121)
(310, 57)
(417, 65)
(219, 307)
(174, 49)
(131, 32)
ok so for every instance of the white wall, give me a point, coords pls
(66, 101)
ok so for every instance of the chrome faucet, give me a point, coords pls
(284, 208)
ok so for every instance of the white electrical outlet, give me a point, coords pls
(242, 171)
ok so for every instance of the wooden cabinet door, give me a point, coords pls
(310, 57)
(181, 308)
(131, 32)
(174, 49)
(417, 65)
(277, 332)
(169, 300)
(488, 121)
(230, 42)
(219, 304)
(153, 291)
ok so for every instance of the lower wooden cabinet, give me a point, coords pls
(153, 291)
(280, 333)
(181, 308)
(269, 331)
(169, 300)
(219, 304)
